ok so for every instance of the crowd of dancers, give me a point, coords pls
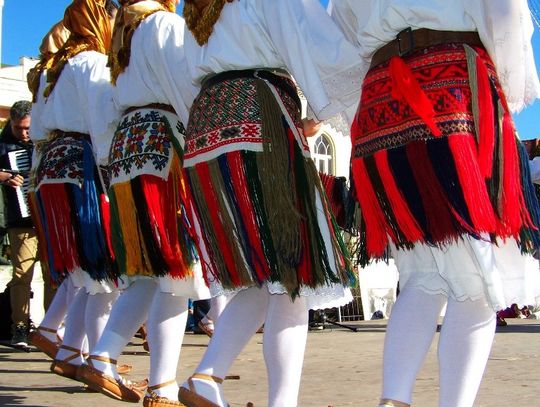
(171, 163)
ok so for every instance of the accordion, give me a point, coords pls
(19, 163)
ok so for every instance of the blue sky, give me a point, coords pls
(26, 21)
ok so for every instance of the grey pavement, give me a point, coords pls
(342, 368)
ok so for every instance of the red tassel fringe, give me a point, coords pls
(436, 205)
(406, 222)
(240, 186)
(213, 209)
(472, 183)
(373, 217)
(486, 121)
(61, 232)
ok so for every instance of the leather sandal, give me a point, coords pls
(393, 403)
(191, 398)
(120, 389)
(124, 369)
(207, 328)
(63, 367)
(41, 342)
(153, 400)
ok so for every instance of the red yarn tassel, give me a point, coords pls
(512, 197)
(436, 206)
(215, 214)
(61, 232)
(163, 218)
(472, 183)
(376, 226)
(405, 88)
(106, 222)
(406, 221)
(239, 183)
(486, 123)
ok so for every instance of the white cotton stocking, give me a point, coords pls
(285, 332)
(411, 328)
(166, 326)
(74, 334)
(56, 312)
(464, 346)
(72, 290)
(217, 305)
(129, 312)
(284, 343)
(98, 309)
(243, 316)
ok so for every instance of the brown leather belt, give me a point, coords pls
(160, 106)
(408, 41)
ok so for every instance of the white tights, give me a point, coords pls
(129, 312)
(166, 325)
(285, 333)
(464, 345)
(58, 308)
(75, 333)
(98, 309)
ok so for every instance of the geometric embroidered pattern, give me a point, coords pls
(227, 117)
(225, 113)
(385, 123)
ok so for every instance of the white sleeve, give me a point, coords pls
(37, 131)
(326, 66)
(534, 165)
(506, 28)
(96, 96)
(166, 58)
(346, 19)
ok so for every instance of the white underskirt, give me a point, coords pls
(81, 279)
(470, 269)
(190, 287)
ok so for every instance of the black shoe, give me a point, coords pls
(20, 335)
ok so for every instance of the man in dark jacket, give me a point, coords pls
(21, 232)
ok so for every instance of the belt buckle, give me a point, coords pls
(406, 33)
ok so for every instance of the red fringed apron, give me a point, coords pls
(435, 154)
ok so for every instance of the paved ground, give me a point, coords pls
(342, 368)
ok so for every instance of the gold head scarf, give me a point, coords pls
(90, 28)
(201, 22)
(130, 15)
(51, 43)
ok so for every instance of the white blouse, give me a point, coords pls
(505, 28)
(37, 132)
(296, 35)
(157, 70)
(82, 101)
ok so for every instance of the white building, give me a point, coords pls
(13, 85)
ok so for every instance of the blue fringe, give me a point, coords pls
(90, 222)
(531, 200)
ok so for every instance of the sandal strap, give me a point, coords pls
(101, 359)
(76, 352)
(159, 386)
(393, 403)
(202, 376)
(45, 329)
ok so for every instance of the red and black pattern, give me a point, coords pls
(417, 186)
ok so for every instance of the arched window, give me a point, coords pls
(323, 154)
